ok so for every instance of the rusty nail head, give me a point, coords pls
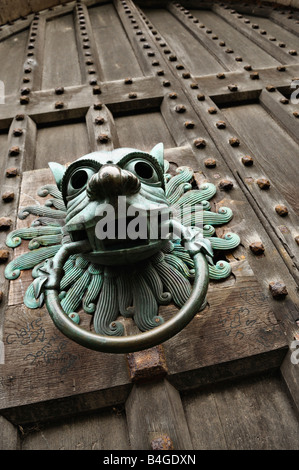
(4, 255)
(270, 88)
(179, 67)
(254, 76)
(173, 96)
(180, 108)
(210, 162)
(132, 95)
(222, 43)
(278, 289)
(281, 68)
(89, 62)
(11, 172)
(151, 54)
(25, 91)
(59, 105)
(263, 31)
(24, 99)
(17, 132)
(220, 75)
(257, 248)
(27, 69)
(200, 143)
(220, 124)
(201, 97)
(162, 442)
(160, 73)
(5, 223)
(128, 81)
(155, 63)
(189, 124)
(172, 58)
(234, 141)
(20, 117)
(212, 110)
(166, 83)
(229, 51)
(186, 75)
(93, 82)
(272, 38)
(59, 90)
(26, 79)
(233, 87)
(99, 120)
(247, 67)
(281, 44)
(263, 183)
(103, 138)
(247, 160)
(226, 185)
(214, 37)
(8, 196)
(147, 365)
(14, 151)
(194, 86)
(255, 26)
(238, 59)
(97, 106)
(281, 210)
(296, 114)
(293, 52)
(284, 100)
(96, 90)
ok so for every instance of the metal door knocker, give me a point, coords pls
(120, 237)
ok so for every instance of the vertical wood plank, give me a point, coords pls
(9, 439)
(101, 129)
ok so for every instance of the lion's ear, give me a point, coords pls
(58, 171)
(158, 153)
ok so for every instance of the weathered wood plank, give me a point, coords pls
(155, 410)
(286, 21)
(100, 431)
(254, 35)
(252, 414)
(101, 128)
(9, 439)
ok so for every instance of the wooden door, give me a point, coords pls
(160, 73)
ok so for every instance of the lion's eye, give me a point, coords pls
(144, 170)
(79, 180)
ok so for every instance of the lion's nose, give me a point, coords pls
(112, 181)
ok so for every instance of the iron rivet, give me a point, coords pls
(172, 58)
(14, 151)
(179, 67)
(263, 31)
(208, 31)
(99, 120)
(212, 110)
(263, 183)
(59, 105)
(284, 100)
(281, 44)
(155, 63)
(272, 38)
(202, 25)
(270, 88)
(20, 117)
(151, 54)
(257, 248)
(246, 21)
(201, 97)
(96, 90)
(160, 73)
(103, 139)
(17, 132)
(234, 142)
(247, 67)
(226, 185)
(229, 51)
(296, 114)
(11, 172)
(166, 83)
(59, 90)
(247, 160)
(173, 96)
(8, 196)
(93, 82)
(221, 125)
(27, 69)
(238, 59)
(281, 68)
(254, 76)
(220, 75)
(189, 124)
(167, 51)
(200, 143)
(97, 106)
(132, 95)
(214, 37)
(194, 86)
(278, 289)
(222, 44)
(186, 75)
(4, 255)
(255, 26)
(281, 210)
(293, 52)
(180, 108)
(24, 99)
(232, 87)
(210, 163)
(128, 81)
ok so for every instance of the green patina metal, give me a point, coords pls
(75, 273)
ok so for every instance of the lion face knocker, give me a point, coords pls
(123, 238)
